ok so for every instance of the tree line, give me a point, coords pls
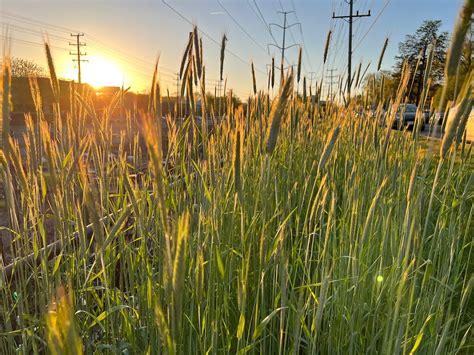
(414, 51)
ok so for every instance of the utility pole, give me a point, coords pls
(312, 76)
(284, 47)
(177, 84)
(351, 17)
(331, 78)
(218, 90)
(78, 54)
(178, 96)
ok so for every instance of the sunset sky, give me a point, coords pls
(124, 37)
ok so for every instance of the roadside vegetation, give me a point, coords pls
(283, 226)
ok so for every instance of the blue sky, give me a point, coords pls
(127, 36)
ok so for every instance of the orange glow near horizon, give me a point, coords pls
(98, 72)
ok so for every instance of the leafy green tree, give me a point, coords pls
(372, 86)
(415, 50)
(454, 84)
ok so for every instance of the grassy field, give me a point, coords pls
(287, 229)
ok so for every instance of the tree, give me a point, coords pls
(453, 86)
(467, 53)
(372, 87)
(23, 68)
(415, 49)
(214, 101)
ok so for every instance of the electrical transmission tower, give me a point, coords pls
(331, 82)
(350, 20)
(312, 76)
(78, 54)
(284, 47)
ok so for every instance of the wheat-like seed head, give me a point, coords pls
(328, 147)
(273, 72)
(382, 86)
(304, 88)
(457, 40)
(364, 72)
(429, 63)
(180, 252)
(238, 151)
(152, 98)
(197, 51)
(224, 40)
(326, 47)
(384, 48)
(254, 79)
(300, 55)
(186, 54)
(456, 117)
(5, 121)
(52, 72)
(358, 74)
(277, 112)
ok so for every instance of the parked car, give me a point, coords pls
(405, 117)
(439, 117)
(426, 116)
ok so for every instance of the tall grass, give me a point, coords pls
(287, 229)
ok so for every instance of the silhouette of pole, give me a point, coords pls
(350, 20)
(78, 54)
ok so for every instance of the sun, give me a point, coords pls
(100, 71)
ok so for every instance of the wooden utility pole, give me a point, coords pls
(78, 54)
(350, 20)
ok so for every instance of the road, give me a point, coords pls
(435, 132)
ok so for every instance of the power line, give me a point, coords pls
(260, 16)
(337, 29)
(78, 54)
(359, 23)
(267, 26)
(321, 64)
(240, 27)
(302, 36)
(26, 19)
(40, 34)
(261, 19)
(30, 31)
(124, 56)
(291, 32)
(37, 44)
(311, 78)
(351, 17)
(373, 24)
(31, 43)
(116, 51)
(91, 38)
(332, 82)
(283, 47)
(338, 41)
(211, 38)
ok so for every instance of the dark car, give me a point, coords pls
(439, 117)
(426, 116)
(406, 116)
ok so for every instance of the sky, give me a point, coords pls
(125, 37)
